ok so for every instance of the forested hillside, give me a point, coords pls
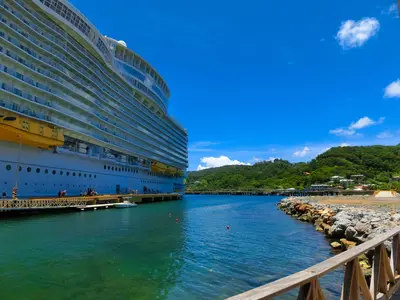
(378, 163)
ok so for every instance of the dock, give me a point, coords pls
(81, 202)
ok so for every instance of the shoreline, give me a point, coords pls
(346, 223)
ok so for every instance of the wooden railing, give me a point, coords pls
(385, 279)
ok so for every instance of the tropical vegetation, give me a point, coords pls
(379, 164)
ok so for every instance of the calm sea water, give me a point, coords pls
(143, 253)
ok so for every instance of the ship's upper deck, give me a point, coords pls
(114, 54)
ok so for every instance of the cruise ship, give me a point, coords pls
(79, 110)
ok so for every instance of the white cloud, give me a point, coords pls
(360, 124)
(344, 145)
(384, 135)
(202, 146)
(302, 153)
(365, 122)
(342, 132)
(393, 89)
(355, 33)
(215, 162)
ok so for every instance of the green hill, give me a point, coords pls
(378, 163)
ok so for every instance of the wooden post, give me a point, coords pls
(354, 282)
(394, 257)
(311, 291)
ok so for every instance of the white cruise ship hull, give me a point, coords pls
(71, 172)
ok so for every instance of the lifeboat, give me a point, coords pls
(20, 129)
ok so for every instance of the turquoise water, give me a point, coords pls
(143, 253)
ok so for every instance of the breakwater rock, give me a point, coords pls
(346, 226)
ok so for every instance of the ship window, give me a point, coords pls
(74, 174)
(61, 172)
(54, 172)
(8, 167)
(37, 170)
(112, 168)
(46, 171)
(29, 169)
(105, 167)
(80, 175)
(95, 176)
(109, 167)
(20, 168)
(67, 173)
(119, 169)
(90, 176)
(84, 175)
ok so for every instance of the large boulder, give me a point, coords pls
(395, 218)
(338, 228)
(347, 244)
(363, 228)
(336, 245)
(350, 233)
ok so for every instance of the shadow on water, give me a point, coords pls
(144, 253)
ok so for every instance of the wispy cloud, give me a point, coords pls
(385, 135)
(302, 153)
(355, 33)
(214, 162)
(203, 146)
(393, 89)
(392, 9)
(342, 132)
(351, 130)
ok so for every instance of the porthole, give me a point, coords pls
(20, 168)
(80, 174)
(61, 172)
(105, 167)
(108, 167)
(67, 173)
(120, 169)
(37, 170)
(29, 169)
(84, 175)
(54, 172)
(8, 167)
(46, 171)
(90, 176)
(74, 174)
(95, 176)
(112, 169)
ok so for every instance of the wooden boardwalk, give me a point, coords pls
(76, 202)
(384, 283)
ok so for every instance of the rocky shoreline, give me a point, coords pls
(346, 226)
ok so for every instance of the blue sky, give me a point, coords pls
(257, 80)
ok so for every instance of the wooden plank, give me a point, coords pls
(363, 283)
(376, 270)
(351, 286)
(288, 283)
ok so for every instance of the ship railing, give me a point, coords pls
(384, 282)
